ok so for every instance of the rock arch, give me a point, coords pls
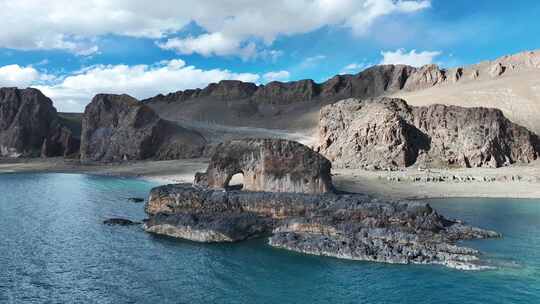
(273, 165)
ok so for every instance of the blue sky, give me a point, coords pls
(74, 49)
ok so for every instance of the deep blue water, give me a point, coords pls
(55, 249)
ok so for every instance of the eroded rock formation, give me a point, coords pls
(119, 127)
(274, 165)
(387, 133)
(30, 126)
(349, 226)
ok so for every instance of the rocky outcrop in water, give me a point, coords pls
(119, 127)
(119, 222)
(30, 126)
(387, 133)
(274, 165)
(349, 226)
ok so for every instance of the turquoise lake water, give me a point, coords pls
(55, 249)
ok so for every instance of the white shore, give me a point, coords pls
(510, 182)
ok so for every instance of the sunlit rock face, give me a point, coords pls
(273, 165)
(387, 133)
(119, 127)
(30, 126)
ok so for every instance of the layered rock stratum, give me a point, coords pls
(274, 165)
(119, 127)
(387, 133)
(30, 126)
(348, 226)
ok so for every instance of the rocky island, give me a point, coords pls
(328, 223)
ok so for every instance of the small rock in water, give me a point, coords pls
(136, 199)
(119, 222)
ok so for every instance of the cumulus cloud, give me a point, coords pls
(210, 44)
(73, 92)
(17, 76)
(229, 27)
(361, 20)
(238, 23)
(276, 76)
(411, 58)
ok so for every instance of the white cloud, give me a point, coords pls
(354, 67)
(235, 24)
(312, 61)
(361, 20)
(276, 76)
(411, 58)
(17, 76)
(210, 44)
(231, 27)
(141, 81)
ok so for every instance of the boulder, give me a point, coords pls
(347, 226)
(30, 126)
(497, 69)
(387, 133)
(119, 127)
(275, 165)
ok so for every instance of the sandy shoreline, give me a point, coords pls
(511, 182)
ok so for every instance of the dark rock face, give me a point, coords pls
(372, 82)
(275, 165)
(388, 133)
(224, 90)
(345, 226)
(29, 126)
(119, 127)
(285, 93)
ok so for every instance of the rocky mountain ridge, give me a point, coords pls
(372, 82)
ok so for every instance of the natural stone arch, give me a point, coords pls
(232, 182)
(273, 165)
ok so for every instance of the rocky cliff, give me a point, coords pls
(348, 226)
(274, 165)
(30, 126)
(388, 133)
(119, 127)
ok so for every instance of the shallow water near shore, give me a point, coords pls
(55, 249)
